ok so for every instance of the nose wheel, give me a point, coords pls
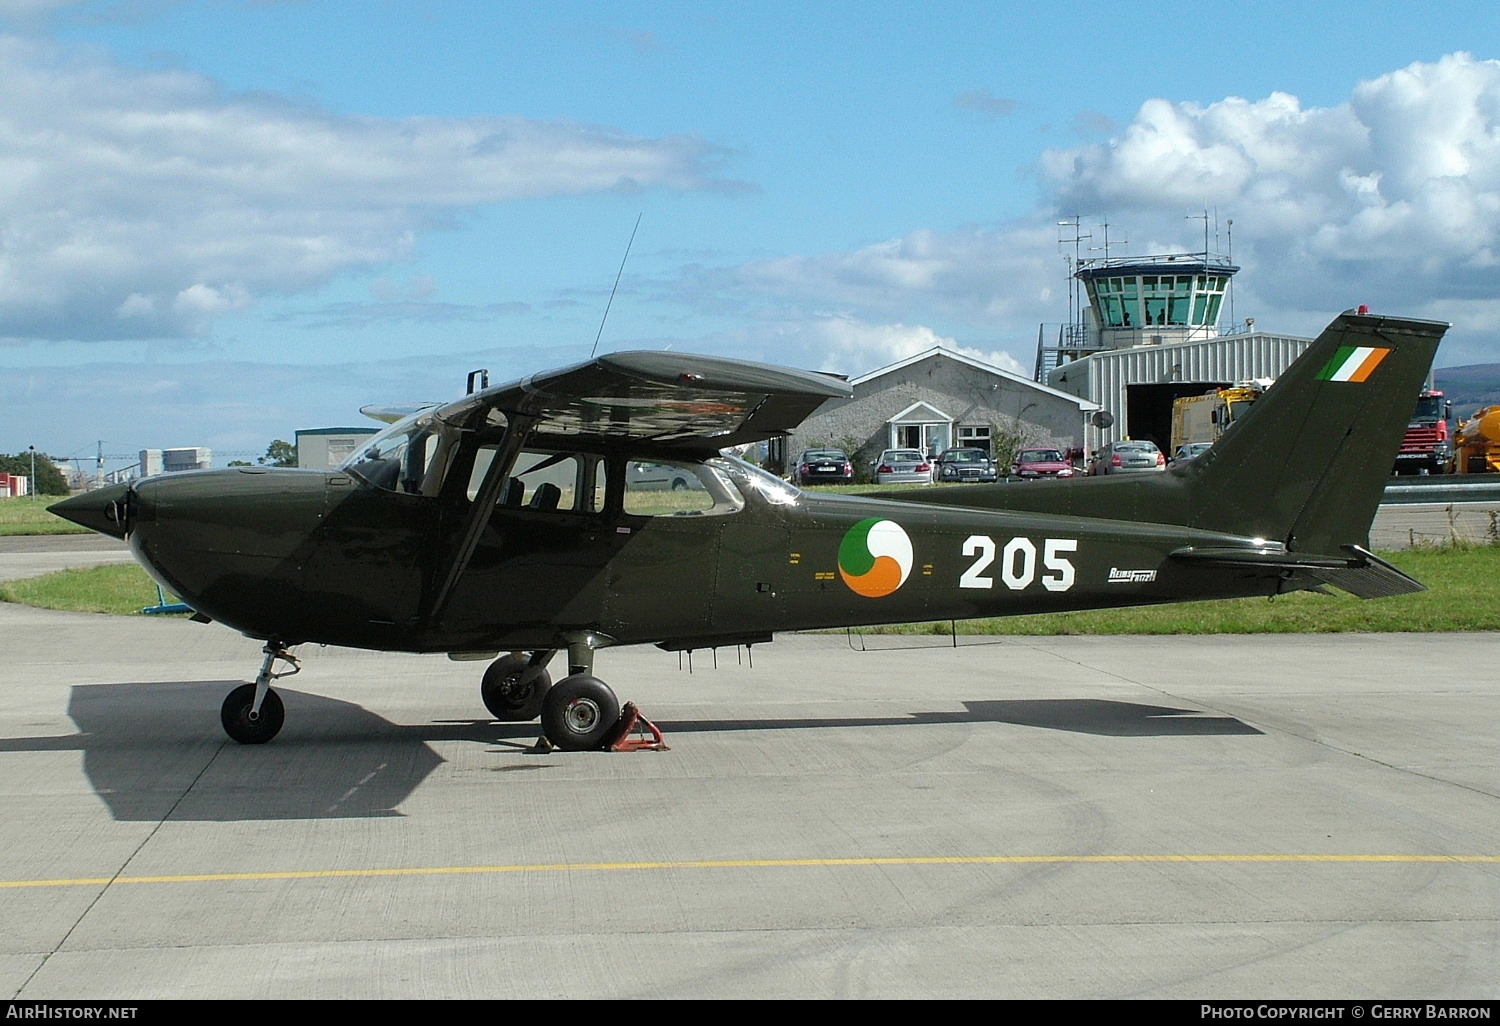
(514, 686)
(251, 726)
(252, 714)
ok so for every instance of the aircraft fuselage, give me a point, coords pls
(306, 556)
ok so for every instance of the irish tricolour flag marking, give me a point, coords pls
(1353, 363)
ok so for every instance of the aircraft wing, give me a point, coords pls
(696, 404)
(391, 414)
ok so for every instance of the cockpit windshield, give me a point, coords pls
(410, 456)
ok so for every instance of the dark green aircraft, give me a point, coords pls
(590, 507)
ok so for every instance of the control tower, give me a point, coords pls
(1149, 335)
(1141, 301)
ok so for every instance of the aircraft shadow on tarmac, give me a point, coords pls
(1104, 717)
(155, 751)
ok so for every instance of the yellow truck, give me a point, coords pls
(1476, 444)
(1203, 418)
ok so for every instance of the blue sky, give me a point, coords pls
(222, 221)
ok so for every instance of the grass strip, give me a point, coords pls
(28, 515)
(120, 588)
(1461, 596)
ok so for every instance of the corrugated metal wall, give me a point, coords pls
(1231, 358)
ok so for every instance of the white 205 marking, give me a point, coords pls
(1018, 563)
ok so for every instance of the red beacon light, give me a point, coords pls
(1364, 308)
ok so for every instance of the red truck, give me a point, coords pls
(1428, 445)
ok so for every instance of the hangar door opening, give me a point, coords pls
(1148, 408)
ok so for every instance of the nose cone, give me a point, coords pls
(101, 510)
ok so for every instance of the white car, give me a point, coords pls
(903, 466)
(641, 476)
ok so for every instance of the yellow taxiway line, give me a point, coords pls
(606, 867)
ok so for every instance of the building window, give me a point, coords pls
(930, 438)
(975, 437)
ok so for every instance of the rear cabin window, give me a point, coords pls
(677, 489)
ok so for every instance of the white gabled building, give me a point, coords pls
(942, 398)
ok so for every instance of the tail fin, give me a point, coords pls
(1308, 463)
(1306, 466)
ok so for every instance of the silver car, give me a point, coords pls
(1188, 451)
(903, 466)
(1128, 456)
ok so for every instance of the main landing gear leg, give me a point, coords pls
(580, 711)
(252, 714)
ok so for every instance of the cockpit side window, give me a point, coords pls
(545, 481)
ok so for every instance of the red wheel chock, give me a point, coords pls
(632, 722)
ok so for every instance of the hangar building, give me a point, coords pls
(171, 461)
(326, 448)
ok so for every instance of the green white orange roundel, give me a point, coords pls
(875, 557)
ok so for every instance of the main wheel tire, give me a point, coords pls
(507, 699)
(579, 713)
(235, 715)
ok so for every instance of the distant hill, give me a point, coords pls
(1470, 387)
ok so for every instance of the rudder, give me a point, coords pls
(1307, 465)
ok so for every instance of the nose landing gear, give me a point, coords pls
(252, 714)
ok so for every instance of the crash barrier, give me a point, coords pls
(1442, 488)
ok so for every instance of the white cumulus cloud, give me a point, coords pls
(981, 277)
(850, 345)
(1392, 197)
(140, 204)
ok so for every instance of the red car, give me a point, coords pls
(1031, 464)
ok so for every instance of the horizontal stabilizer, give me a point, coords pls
(1374, 579)
(1363, 575)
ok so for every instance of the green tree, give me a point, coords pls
(49, 480)
(279, 454)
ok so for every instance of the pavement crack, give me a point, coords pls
(119, 872)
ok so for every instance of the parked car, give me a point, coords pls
(640, 476)
(965, 465)
(824, 466)
(903, 466)
(1128, 456)
(1036, 464)
(1188, 451)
